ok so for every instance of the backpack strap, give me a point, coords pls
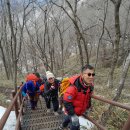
(80, 88)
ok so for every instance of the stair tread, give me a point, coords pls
(39, 119)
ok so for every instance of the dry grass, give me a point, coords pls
(9, 83)
(3, 100)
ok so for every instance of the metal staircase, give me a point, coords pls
(39, 119)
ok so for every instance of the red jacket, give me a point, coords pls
(77, 96)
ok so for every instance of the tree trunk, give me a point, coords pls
(123, 77)
(116, 43)
(14, 47)
(4, 61)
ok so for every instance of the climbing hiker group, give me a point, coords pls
(72, 95)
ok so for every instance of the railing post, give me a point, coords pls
(15, 104)
(20, 101)
(20, 98)
(127, 124)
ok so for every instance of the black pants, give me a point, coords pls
(54, 101)
(33, 100)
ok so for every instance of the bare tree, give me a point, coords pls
(4, 44)
(43, 44)
(117, 41)
(16, 48)
(123, 51)
(78, 28)
(102, 33)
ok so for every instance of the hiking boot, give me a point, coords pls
(56, 113)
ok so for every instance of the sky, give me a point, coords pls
(10, 124)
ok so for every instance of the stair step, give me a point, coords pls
(36, 115)
(39, 119)
(42, 119)
(37, 126)
(36, 111)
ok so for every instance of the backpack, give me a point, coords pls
(32, 77)
(65, 83)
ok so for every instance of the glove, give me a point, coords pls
(75, 120)
(24, 94)
(52, 87)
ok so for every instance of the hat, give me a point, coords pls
(49, 75)
(47, 72)
(37, 74)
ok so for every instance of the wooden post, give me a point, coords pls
(20, 98)
(15, 105)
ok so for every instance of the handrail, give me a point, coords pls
(20, 113)
(111, 102)
(127, 124)
(94, 122)
(8, 110)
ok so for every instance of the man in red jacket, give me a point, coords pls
(77, 98)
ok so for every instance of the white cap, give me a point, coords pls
(47, 72)
(49, 75)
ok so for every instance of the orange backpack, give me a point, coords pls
(32, 77)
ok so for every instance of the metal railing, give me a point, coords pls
(127, 124)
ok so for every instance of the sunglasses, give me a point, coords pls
(50, 78)
(90, 74)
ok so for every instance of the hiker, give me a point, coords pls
(39, 78)
(31, 89)
(51, 87)
(77, 97)
(44, 79)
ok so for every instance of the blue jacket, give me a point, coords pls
(30, 88)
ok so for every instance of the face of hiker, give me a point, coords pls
(88, 76)
(51, 80)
